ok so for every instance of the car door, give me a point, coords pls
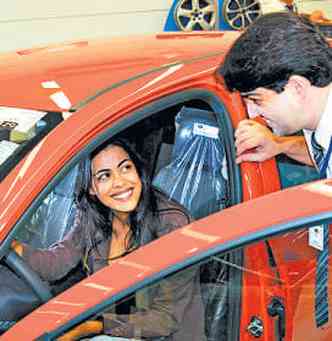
(278, 287)
(51, 213)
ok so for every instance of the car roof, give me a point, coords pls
(79, 69)
(232, 227)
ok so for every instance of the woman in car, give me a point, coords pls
(118, 211)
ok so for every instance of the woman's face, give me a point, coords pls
(115, 181)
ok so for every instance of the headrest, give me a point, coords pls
(191, 115)
(197, 133)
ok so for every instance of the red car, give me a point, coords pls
(256, 260)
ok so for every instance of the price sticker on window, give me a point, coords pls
(316, 237)
(17, 119)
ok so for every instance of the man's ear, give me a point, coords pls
(299, 84)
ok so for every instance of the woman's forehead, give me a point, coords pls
(111, 156)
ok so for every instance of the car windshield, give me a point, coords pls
(20, 131)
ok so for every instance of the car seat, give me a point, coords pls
(196, 177)
(52, 221)
(55, 215)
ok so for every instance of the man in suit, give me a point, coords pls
(282, 67)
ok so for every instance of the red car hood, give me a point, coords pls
(29, 78)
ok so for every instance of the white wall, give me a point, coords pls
(304, 6)
(25, 23)
(308, 6)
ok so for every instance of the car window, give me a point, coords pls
(20, 131)
(186, 145)
(294, 173)
(284, 294)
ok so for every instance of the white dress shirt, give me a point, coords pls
(323, 133)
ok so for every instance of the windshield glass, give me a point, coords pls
(20, 131)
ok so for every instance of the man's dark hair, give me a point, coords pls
(272, 49)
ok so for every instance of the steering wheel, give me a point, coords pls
(23, 270)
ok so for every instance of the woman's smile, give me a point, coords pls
(123, 195)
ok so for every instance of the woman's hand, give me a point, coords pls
(84, 329)
(17, 247)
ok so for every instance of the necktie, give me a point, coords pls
(318, 153)
(321, 289)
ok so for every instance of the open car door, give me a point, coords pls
(279, 296)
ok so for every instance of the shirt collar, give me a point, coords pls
(323, 133)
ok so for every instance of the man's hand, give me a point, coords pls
(254, 142)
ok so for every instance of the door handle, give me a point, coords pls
(276, 308)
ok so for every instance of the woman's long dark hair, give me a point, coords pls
(97, 217)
